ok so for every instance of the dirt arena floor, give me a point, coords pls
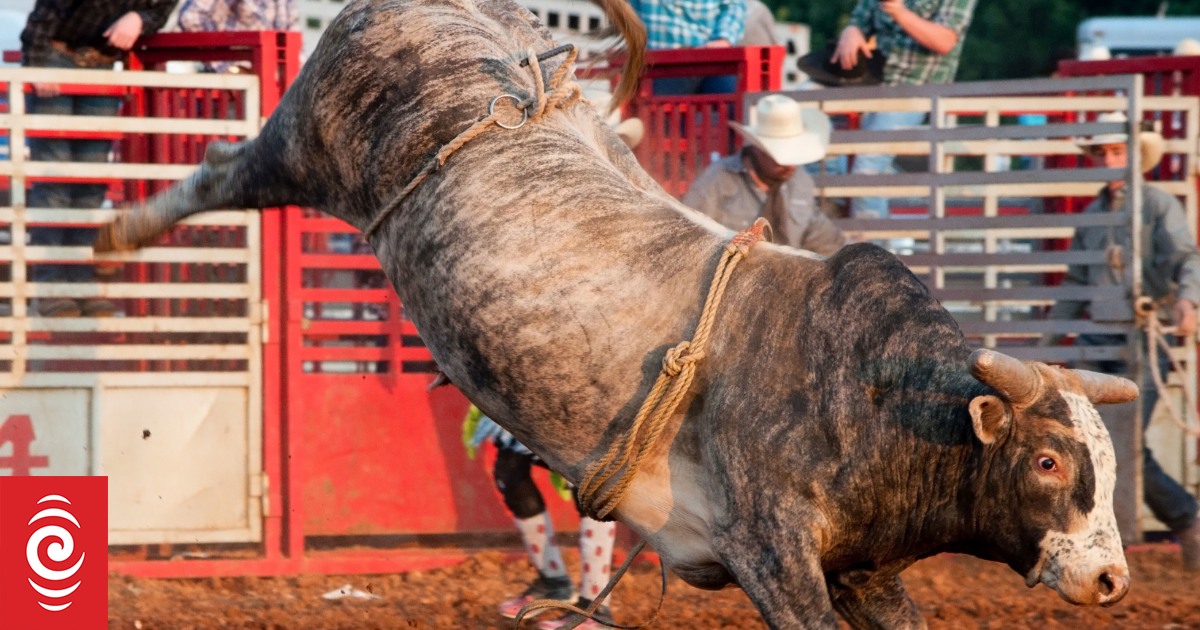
(952, 591)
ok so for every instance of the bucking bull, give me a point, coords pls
(838, 428)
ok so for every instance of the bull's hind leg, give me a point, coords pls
(233, 175)
(874, 601)
(782, 577)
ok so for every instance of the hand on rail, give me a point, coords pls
(1184, 315)
(46, 90)
(125, 30)
(849, 45)
(717, 43)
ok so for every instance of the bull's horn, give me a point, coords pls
(1017, 383)
(1106, 389)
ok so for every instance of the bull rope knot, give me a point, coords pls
(626, 454)
(679, 357)
(564, 93)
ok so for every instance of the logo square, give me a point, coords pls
(54, 552)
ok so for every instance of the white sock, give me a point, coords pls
(595, 555)
(538, 535)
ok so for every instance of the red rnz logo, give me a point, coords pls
(54, 552)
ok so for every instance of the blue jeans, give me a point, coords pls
(62, 195)
(1167, 500)
(679, 86)
(879, 164)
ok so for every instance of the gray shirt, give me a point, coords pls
(1170, 260)
(722, 193)
(760, 26)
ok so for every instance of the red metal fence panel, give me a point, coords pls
(684, 133)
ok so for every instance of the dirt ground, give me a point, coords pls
(953, 592)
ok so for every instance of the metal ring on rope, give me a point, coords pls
(517, 101)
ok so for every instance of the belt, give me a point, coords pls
(86, 56)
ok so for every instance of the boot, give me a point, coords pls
(1189, 542)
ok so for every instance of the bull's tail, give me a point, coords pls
(625, 20)
(220, 182)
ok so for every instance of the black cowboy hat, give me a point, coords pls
(819, 68)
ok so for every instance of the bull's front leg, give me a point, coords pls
(781, 575)
(874, 599)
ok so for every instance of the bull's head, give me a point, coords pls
(1051, 459)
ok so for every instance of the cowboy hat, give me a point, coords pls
(1151, 146)
(790, 134)
(819, 67)
(631, 131)
(1095, 53)
(1187, 47)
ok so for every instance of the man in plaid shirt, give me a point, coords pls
(692, 24)
(922, 40)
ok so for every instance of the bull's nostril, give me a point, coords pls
(1107, 585)
(1112, 586)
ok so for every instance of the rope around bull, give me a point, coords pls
(678, 372)
(1155, 341)
(564, 93)
(625, 456)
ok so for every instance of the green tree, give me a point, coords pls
(1006, 40)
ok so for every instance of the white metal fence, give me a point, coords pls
(165, 397)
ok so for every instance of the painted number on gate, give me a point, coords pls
(18, 431)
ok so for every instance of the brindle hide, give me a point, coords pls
(840, 426)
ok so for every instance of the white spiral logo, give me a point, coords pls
(60, 551)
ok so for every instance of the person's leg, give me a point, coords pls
(1166, 498)
(524, 500)
(720, 84)
(90, 195)
(677, 86)
(596, 540)
(595, 553)
(50, 195)
(879, 164)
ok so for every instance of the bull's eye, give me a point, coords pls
(1047, 464)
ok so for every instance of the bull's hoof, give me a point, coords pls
(107, 240)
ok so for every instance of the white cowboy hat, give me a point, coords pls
(1150, 143)
(1187, 47)
(790, 134)
(1095, 53)
(631, 131)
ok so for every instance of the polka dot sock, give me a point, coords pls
(538, 535)
(595, 555)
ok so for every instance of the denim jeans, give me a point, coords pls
(1167, 500)
(679, 86)
(63, 195)
(879, 164)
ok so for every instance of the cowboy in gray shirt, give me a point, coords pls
(1170, 263)
(763, 179)
(1170, 272)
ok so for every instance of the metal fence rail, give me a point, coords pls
(178, 371)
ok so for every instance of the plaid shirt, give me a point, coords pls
(237, 15)
(909, 63)
(690, 23)
(81, 23)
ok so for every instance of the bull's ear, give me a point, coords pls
(990, 418)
